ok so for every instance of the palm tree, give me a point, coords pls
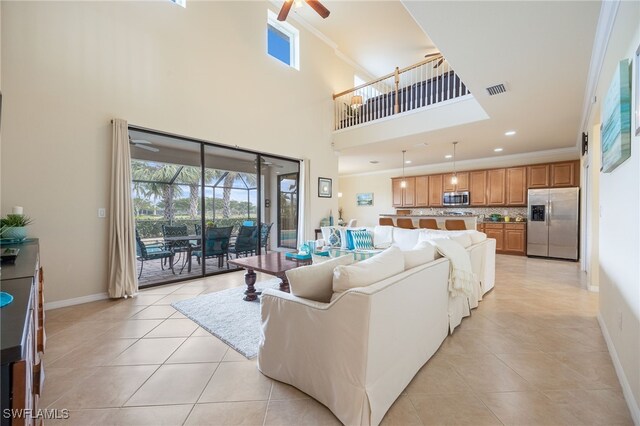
(152, 180)
(249, 179)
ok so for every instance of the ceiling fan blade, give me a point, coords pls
(148, 148)
(282, 16)
(319, 8)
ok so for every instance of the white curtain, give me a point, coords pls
(303, 200)
(123, 280)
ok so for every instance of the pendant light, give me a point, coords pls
(403, 183)
(454, 178)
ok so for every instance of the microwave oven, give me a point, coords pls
(460, 198)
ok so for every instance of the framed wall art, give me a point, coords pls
(616, 119)
(324, 188)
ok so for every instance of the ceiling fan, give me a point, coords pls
(266, 163)
(430, 55)
(143, 144)
(314, 4)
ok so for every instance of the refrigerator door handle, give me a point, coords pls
(550, 210)
(548, 213)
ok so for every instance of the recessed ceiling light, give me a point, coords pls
(498, 150)
(407, 162)
(374, 161)
(510, 133)
(448, 156)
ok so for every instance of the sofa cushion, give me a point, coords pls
(315, 282)
(405, 239)
(477, 236)
(462, 237)
(361, 240)
(382, 237)
(377, 268)
(422, 253)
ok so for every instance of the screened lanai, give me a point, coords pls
(181, 187)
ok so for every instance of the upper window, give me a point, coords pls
(182, 3)
(282, 41)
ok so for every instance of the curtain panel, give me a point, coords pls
(123, 280)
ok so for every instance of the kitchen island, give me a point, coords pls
(470, 220)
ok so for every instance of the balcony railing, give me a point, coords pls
(426, 83)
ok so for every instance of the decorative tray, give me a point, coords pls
(296, 256)
(5, 241)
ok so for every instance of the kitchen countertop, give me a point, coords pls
(429, 215)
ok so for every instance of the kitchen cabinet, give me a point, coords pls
(538, 176)
(495, 230)
(564, 174)
(515, 240)
(517, 186)
(462, 185)
(435, 190)
(478, 188)
(496, 182)
(403, 197)
(422, 191)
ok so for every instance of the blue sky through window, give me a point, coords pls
(278, 45)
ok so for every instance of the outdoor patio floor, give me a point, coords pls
(154, 274)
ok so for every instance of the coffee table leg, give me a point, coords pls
(284, 285)
(250, 280)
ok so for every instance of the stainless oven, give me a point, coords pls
(460, 198)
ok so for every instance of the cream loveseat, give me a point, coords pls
(356, 353)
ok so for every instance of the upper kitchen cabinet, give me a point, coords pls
(564, 174)
(496, 183)
(435, 190)
(478, 188)
(462, 185)
(422, 191)
(517, 186)
(538, 176)
(403, 197)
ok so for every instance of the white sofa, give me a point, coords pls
(356, 354)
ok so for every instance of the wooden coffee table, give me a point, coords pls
(273, 263)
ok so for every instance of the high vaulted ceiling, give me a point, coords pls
(540, 50)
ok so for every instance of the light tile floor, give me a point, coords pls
(532, 353)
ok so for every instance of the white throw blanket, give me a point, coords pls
(462, 280)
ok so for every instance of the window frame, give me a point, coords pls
(294, 39)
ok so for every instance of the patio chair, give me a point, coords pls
(146, 252)
(198, 228)
(177, 247)
(265, 231)
(246, 241)
(216, 244)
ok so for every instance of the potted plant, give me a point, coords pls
(15, 226)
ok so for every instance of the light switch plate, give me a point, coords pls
(102, 212)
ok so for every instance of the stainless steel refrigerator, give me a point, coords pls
(553, 223)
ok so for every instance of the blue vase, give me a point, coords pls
(15, 233)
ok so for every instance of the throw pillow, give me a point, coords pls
(422, 253)
(361, 240)
(332, 236)
(315, 282)
(477, 236)
(377, 268)
(382, 237)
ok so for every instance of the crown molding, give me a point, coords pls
(606, 20)
(513, 160)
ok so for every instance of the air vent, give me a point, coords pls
(496, 90)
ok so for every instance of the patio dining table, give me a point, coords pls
(172, 240)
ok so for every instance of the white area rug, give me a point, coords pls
(225, 315)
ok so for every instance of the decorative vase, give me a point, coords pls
(15, 232)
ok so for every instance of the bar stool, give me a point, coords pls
(405, 223)
(385, 221)
(455, 225)
(428, 224)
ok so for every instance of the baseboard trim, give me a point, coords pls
(626, 389)
(75, 301)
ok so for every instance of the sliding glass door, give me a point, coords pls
(197, 205)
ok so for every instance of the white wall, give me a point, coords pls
(69, 67)
(619, 233)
